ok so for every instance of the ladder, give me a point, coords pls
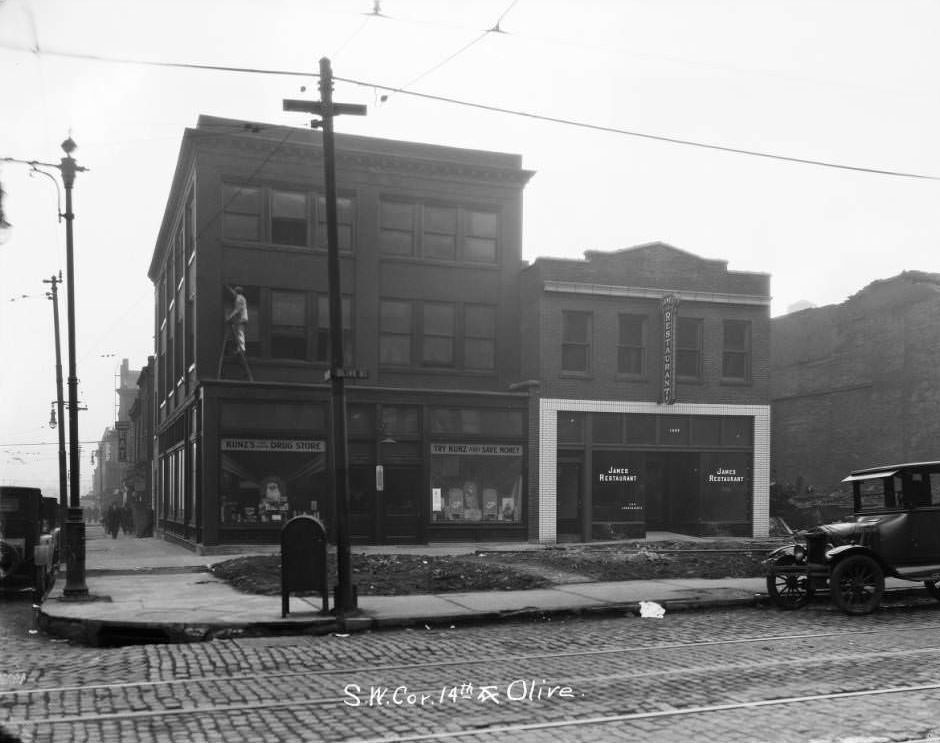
(227, 339)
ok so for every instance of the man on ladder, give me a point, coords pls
(238, 321)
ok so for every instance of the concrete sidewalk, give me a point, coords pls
(152, 590)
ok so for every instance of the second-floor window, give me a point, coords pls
(437, 345)
(444, 335)
(395, 330)
(479, 337)
(576, 341)
(323, 349)
(288, 325)
(631, 345)
(689, 348)
(736, 352)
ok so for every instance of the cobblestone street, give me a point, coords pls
(737, 675)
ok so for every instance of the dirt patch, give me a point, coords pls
(397, 575)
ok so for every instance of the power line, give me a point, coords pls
(501, 110)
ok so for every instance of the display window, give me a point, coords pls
(476, 482)
(265, 482)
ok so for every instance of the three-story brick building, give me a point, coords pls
(430, 245)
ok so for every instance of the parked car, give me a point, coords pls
(28, 540)
(894, 531)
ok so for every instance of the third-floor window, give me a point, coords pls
(284, 217)
(438, 232)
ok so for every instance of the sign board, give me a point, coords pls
(479, 450)
(379, 478)
(311, 446)
(670, 310)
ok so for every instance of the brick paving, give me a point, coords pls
(649, 673)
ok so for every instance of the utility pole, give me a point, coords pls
(53, 294)
(345, 601)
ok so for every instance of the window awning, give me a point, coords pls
(870, 476)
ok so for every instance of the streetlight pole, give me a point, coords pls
(75, 587)
(345, 601)
(53, 294)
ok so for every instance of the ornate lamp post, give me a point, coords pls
(75, 587)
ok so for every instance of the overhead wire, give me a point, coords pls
(497, 109)
(495, 29)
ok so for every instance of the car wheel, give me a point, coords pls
(933, 588)
(789, 591)
(856, 584)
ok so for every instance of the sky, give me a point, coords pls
(628, 111)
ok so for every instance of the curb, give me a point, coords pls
(103, 633)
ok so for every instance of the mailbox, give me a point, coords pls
(303, 560)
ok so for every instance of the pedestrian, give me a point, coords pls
(113, 521)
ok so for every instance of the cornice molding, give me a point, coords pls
(641, 292)
(366, 161)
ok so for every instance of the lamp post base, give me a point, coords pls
(75, 588)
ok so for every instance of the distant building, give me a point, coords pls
(649, 374)
(430, 244)
(139, 474)
(114, 456)
(855, 385)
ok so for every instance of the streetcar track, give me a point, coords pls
(633, 675)
(476, 731)
(629, 717)
(248, 676)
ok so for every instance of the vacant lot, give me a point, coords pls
(405, 574)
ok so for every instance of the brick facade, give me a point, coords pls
(855, 385)
(634, 282)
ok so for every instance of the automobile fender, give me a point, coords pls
(787, 550)
(837, 554)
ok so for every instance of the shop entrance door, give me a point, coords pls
(568, 501)
(671, 491)
(399, 507)
(391, 515)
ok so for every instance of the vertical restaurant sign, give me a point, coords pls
(670, 308)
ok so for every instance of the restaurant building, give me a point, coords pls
(649, 379)
(430, 246)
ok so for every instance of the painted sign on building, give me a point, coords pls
(493, 450)
(670, 309)
(274, 445)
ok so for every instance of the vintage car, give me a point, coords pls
(29, 540)
(894, 531)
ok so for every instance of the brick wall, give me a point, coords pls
(856, 385)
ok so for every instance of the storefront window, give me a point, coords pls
(726, 488)
(264, 482)
(476, 482)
